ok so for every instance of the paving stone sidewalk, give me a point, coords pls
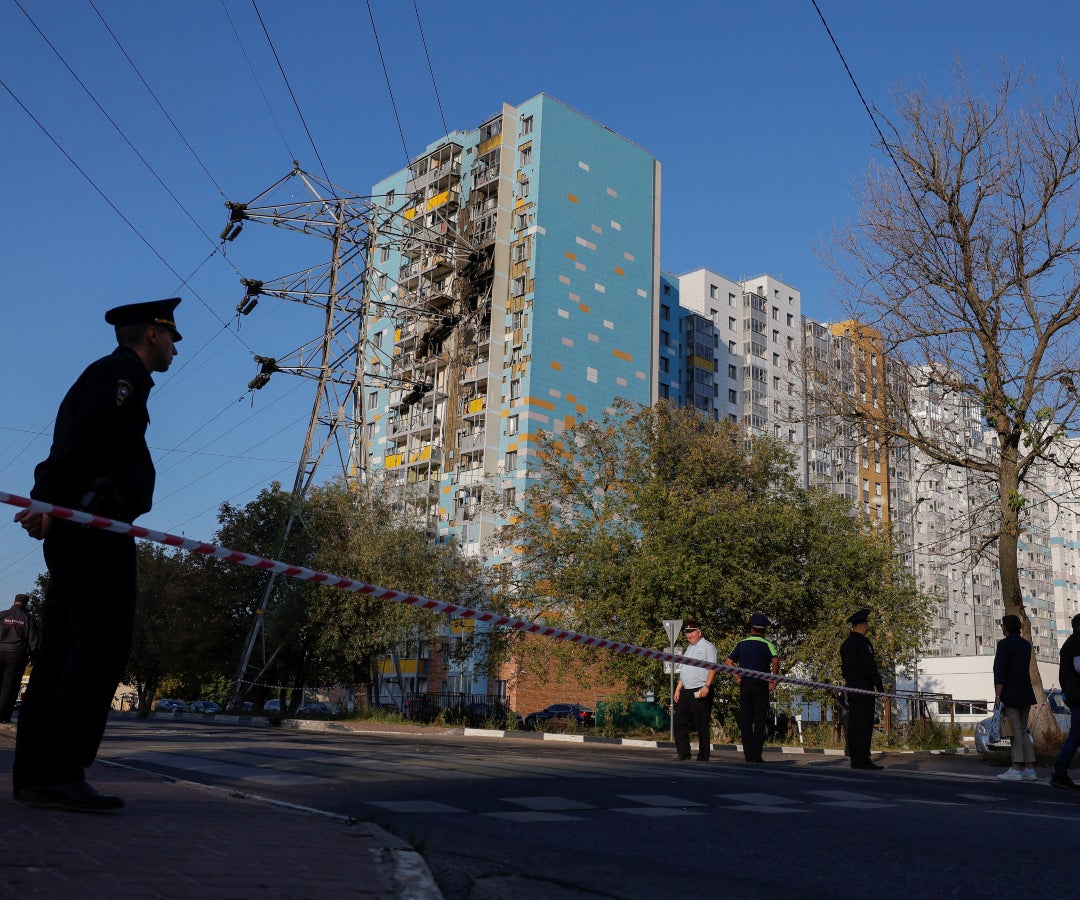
(176, 839)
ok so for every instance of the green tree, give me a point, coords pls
(656, 513)
(367, 536)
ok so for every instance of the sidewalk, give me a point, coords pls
(176, 839)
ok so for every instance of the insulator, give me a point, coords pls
(259, 381)
(246, 305)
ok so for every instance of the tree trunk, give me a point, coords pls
(1043, 727)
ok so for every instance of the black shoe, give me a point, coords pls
(1063, 781)
(866, 765)
(682, 757)
(703, 759)
(74, 795)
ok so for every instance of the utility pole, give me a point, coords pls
(335, 360)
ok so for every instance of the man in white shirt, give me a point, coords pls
(693, 695)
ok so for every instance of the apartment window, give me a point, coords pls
(526, 155)
(519, 287)
(511, 424)
(730, 299)
(519, 252)
(664, 364)
(665, 394)
(776, 359)
(732, 395)
(523, 187)
(510, 497)
(390, 197)
(384, 253)
(377, 340)
(790, 319)
(714, 291)
(380, 282)
(732, 371)
(511, 460)
(522, 220)
(732, 347)
(776, 313)
(372, 399)
(775, 336)
(517, 319)
(515, 389)
(731, 323)
(665, 312)
(665, 339)
(526, 124)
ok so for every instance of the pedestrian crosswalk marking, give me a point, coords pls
(550, 804)
(415, 806)
(533, 816)
(659, 800)
(759, 799)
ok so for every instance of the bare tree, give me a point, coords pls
(966, 259)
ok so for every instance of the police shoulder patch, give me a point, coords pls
(123, 391)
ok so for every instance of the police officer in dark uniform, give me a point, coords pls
(860, 671)
(755, 652)
(18, 645)
(99, 463)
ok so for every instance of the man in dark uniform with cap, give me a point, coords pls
(99, 463)
(757, 653)
(18, 645)
(860, 671)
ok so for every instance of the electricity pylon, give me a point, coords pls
(335, 359)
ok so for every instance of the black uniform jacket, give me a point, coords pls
(857, 663)
(99, 461)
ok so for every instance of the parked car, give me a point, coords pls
(206, 707)
(421, 709)
(317, 708)
(167, 705)
(488, 715)
(273, 706)
(1056, 700)
(581, 715)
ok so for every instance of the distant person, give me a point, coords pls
(693, 695)
(18, 646)
(755, 652)
(1013, 690)
(1069, 679)
(860, 670)
(99, 463)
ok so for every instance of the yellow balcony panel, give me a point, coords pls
(476, 405)
(489, 144)
(392, 460)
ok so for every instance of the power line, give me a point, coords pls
(118, 129)
(258, 84)
(292, 94)
(427, 56)
(161, 106)
(386, 75)
(888, 149)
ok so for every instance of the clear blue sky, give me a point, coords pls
(746, 105)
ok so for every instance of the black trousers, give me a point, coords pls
(12, 667)
(87, 621)
(860, 727)
(690, 710)
(753, 716)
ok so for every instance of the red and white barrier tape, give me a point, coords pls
(435, 606)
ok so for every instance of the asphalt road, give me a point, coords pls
(504, 817)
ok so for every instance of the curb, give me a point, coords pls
(319, 725)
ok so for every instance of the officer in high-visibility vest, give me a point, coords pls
(755, 652)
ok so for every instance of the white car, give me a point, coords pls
(1060, 709)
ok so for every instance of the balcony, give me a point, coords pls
(477, 372)
(475, 440)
